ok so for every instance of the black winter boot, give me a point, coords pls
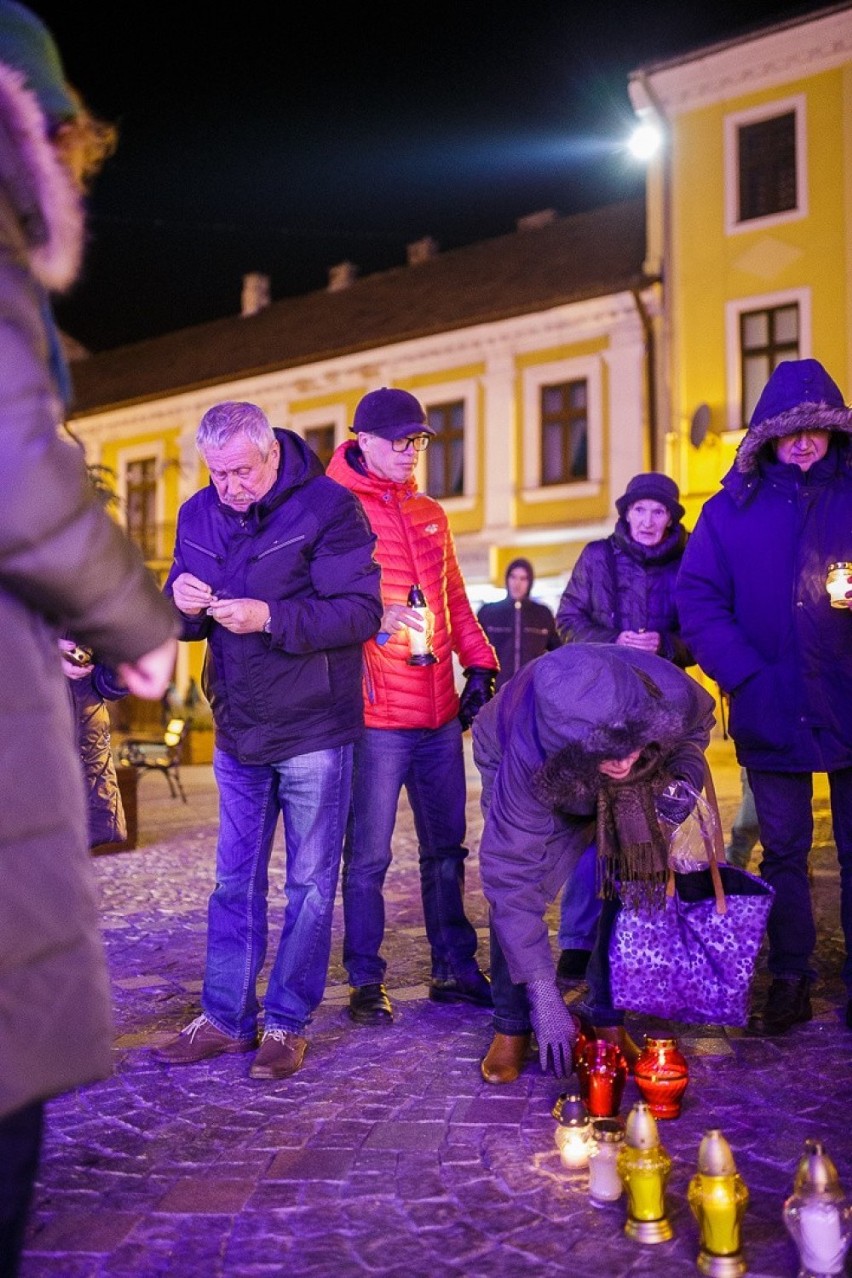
(788, 1003)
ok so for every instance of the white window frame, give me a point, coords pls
(760, 302)
(332, 415)
(464, 390)
(733, 122)
(588, 369)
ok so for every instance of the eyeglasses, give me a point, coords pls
(417, 442)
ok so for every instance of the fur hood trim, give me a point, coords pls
(802, 417)
(47, 204)
(800, 395)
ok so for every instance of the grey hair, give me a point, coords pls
(223, 421)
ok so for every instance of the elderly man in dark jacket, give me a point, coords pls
(753, 606)
(518, 627)
(274, 568)
(550, 747)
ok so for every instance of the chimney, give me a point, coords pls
(535, 221)
(255, 294)
(341, 276)
(422, 250)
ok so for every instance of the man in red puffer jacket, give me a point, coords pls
(413, 715)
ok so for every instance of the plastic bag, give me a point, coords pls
(689, 823)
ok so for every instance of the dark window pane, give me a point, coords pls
(766, 338)
(320, 439)
(141, 504)
(564, 432)
(767, 167)
(445, 454)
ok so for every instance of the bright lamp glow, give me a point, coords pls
(645, 141)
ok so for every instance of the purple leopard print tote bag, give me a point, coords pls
(694, 959)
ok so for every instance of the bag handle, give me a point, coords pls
(715, 846)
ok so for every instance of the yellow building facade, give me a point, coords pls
(750, 227)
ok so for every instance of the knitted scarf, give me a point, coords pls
(632, 849)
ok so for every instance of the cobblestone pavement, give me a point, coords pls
(387, 1154)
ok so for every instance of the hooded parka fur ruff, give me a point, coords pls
(414, 545)
(63, 562)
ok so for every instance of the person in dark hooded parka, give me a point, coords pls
(578, 745)
(753, 605)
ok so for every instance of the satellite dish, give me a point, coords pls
(700, 425)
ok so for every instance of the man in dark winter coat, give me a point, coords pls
(274, 568)
(753, 605)
(518, 628)
(550, 748)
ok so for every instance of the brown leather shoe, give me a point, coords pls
(618, 1034)
(199, 1041)
(281, 1054)
(505, 1057)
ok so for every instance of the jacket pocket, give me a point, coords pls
(278, 545)
(760, 713)
(203, 550)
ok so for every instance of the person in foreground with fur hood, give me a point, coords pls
(753, 605)
(578, 746)
(63, 561)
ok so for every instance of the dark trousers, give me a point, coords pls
(511, 1006)
(784, 803)
(20, 1144)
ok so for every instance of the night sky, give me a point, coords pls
(284, 138)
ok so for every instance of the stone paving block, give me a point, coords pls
(310, 1164)
(424, 1136)
(207, 1194)
(491, 1109)
(95, 1230)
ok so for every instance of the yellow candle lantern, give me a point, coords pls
(644, 1167)
(718, 1197)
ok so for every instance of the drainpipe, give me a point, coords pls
(650, 377)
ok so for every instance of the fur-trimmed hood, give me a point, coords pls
(800, 395)
(42, 216)
(600, 701)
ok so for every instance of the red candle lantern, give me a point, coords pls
(662, 1075)
(602, 1073)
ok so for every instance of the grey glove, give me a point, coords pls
(554, 1027)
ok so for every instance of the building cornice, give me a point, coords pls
(750, 64)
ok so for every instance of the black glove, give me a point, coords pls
(554, 1027)
(676, 802)
(478, 690)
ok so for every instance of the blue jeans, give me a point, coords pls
(580, 906)
(430, 764)
(744, 831)
(311, 791)
(784, 803)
